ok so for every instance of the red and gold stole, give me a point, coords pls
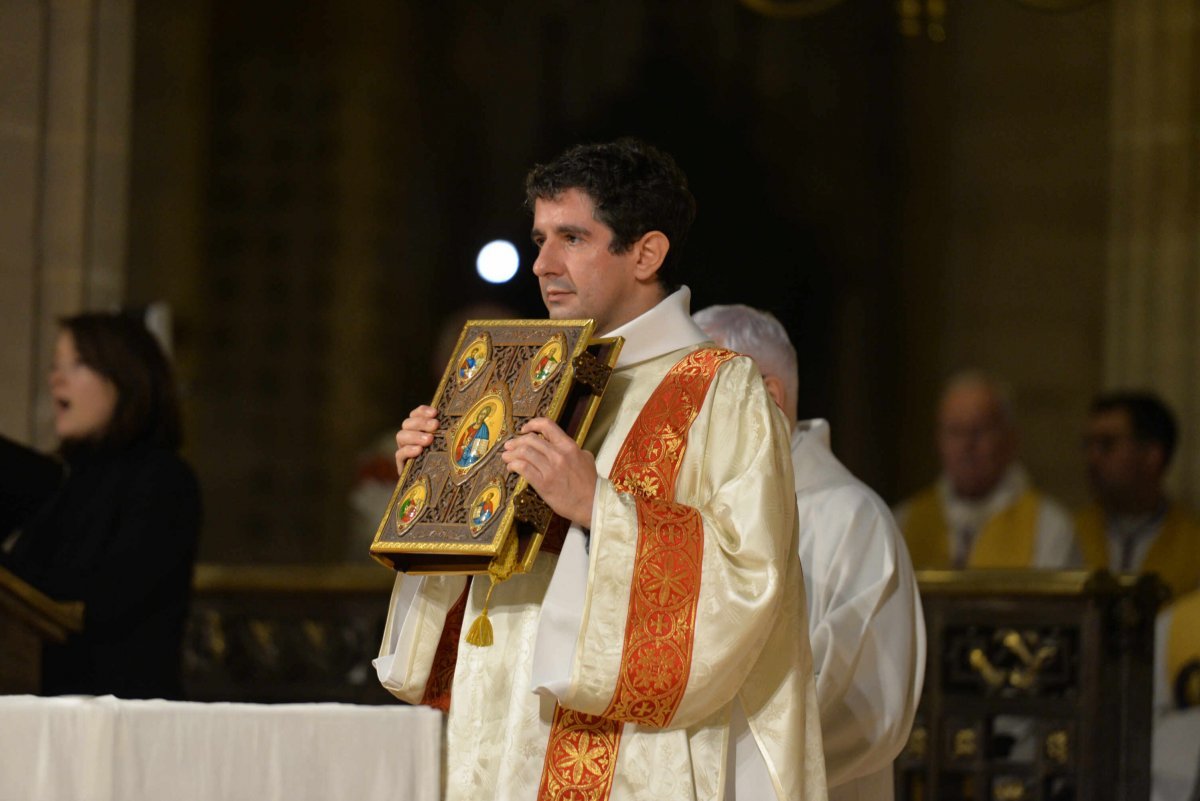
(441, 674)
(581, 755)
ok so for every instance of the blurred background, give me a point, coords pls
(912, 187)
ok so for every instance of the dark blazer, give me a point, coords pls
(27, 480)
(119, 534)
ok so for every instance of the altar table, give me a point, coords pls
(76, 748)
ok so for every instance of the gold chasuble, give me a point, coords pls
(1007, 539)
(664, 653)
(1182, 655)
(666, 587)
(1174, 555)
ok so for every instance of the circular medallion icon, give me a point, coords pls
(479, 430)
(474, 356)
(547, 361)
(412, 503)
(484, 507)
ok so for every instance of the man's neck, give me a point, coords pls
(666, 327)
(1136, 505)
(647, 302)
(1012, 482)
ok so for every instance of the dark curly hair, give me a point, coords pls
(119, 347)
(635, 187)
(1150, 418)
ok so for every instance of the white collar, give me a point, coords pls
(813, 463)
(815, 430)
(1008, 489)
(666, 327)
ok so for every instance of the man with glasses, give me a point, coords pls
(983, 511)
(1133, 526)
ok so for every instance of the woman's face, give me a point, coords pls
(84, 400)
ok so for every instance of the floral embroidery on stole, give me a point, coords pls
(581, 755)
(441, 674)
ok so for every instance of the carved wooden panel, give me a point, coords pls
(270, 634)
(1037, 688)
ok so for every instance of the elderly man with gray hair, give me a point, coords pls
(983, 510)
(864, 612)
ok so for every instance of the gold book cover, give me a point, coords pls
(456, 509)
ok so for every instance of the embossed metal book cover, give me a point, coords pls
(456, 508)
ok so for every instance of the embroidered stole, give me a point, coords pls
(1174, 555)
(441, 674)
(581, 755)
(1089, 533)
(1006, 540)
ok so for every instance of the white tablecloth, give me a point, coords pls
(106, 749)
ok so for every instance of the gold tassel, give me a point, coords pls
(481, 630)
(502, 566)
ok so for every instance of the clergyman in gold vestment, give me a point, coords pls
(983, 511)
(663, 654)
(1133, 526)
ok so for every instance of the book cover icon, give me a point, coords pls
(456, 508)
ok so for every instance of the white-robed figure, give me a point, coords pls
(1175, 752)
(864, 610)
(663, 653)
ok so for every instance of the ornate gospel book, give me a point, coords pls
(456, 508)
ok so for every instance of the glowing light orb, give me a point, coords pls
(497, 261)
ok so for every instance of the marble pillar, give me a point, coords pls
(65, 88)
(1152, 322)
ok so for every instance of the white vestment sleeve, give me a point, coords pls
(562, 611)
(404, 590)
(1162, 702)
(1175, 749)
(416, 615)
(746, 774)
(867, 628)
(1055, 547)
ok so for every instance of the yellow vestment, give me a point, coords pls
(1007, 539)
(1174, 555)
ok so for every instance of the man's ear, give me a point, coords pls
(1154, 458)
(651, 252)
(775, 389)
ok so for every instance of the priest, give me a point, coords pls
(1133, 525)
(864, 609)
(984, 510)
(664, 652)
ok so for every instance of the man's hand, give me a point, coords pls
(562, 473)
(415, 435)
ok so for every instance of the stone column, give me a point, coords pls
(65, 86)
(1152, 326)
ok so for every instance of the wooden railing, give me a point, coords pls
(1037, 688)
(286, 633)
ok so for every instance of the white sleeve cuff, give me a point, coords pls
(561, 618)
(397, 639)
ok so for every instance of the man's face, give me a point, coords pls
(578, 275)
(1119, 467)
(974, 442)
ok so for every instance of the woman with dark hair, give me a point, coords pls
(118, 527)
